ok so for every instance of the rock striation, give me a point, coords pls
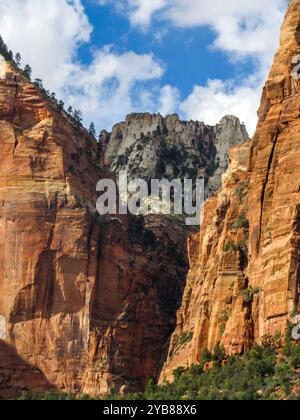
(49, 235)
(244, 282)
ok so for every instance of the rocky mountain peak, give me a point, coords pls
(152, 146)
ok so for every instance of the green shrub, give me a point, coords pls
(249, 293)
(241, 193)
(241, 222)
(295, 357)
(263, 373)
(206, 356)
(219, 354)
(230, 246)
(186, 338)
(178, 372)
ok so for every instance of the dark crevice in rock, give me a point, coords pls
(265, 185)
(14, 100)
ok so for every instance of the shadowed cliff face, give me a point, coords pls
(17, 376)
(244, 281)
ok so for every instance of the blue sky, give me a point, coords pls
(198, 58)
(185, 52)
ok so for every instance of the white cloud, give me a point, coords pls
(168, 100)
(48, 34)
(242, 28)
(219, 98)
(143, 14)
(112, 85)
(140, 12)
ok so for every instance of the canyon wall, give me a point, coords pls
(87, 303)
(49, 235)
(244, 282)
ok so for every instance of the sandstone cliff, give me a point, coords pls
(48, 246)
(85, 303)
(152, 147)
(244, 282)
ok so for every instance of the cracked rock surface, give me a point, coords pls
(244, 281)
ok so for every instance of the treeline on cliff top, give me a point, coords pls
(270, 371)
(15, 60)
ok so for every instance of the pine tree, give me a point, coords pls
(27, 71)
(18, 59)
(77, 115)
(7, 54)
(92, 130)
(2, 45)
(61, 105)
(39, 83)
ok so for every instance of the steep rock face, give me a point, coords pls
(274, 194)
(240, 290)
(48, 244)
(86, 303)
(138, 292)
(216, 299)
(152, 147)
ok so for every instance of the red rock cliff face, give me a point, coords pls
(244, 282)
(86, 304)
(48, 244)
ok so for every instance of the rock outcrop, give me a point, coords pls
(17, 376)
(87, 303)
(244, 283)
(216, 303)
(152, 147)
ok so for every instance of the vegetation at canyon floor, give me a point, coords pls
(270, 371)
